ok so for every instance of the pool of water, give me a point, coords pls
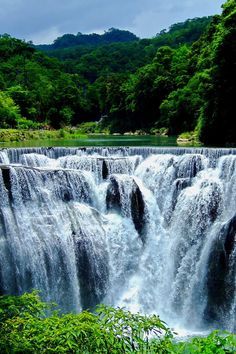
(98, 140)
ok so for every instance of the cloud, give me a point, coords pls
(151, 21)
(47, 36)
(40, 20)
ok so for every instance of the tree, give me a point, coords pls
(217, 119)
(9, 111)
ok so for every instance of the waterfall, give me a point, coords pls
(151, 229)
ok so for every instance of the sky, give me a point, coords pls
(42, 21)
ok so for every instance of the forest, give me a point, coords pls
(180, 81)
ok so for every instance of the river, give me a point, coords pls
(98, 140)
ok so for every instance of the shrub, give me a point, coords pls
(216, 343)
(28, 325)
(23, 123)
(88, 127)
(25, 328)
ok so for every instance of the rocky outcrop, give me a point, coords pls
(137, 210)
(178, 185)
(6, 177)
(113, 198)
(92, 269)
(221, 275)
(68, 185)
(132, 197)
(105, 171)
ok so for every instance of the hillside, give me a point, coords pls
(124, 52)
(180, 80)
(113, 35)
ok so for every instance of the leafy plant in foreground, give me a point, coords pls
(28, 325)
(25, 328)
(216, 343)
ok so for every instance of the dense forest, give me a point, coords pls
(182, 80)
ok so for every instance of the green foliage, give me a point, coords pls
(183, 32)
(204, 101)
(217, 119)
(183, 80)
(28, 133)
(181, 110)
(89, 128)
(9, 111)
(28, 325)
(39, 89)
(216, 343)
(113, 35)
(25, 328)
(21, 306)
(23, 123)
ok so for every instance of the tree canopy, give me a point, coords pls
(181, 80)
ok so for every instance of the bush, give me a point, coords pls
(28, 325)
(62, 133)
(88, 127)
(25, 328)
(23, 123)
(216, 343)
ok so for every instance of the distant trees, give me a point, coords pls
(93, 79)
(111, 36)
(181, 80)
(36, 87)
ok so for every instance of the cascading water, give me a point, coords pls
(153, 230)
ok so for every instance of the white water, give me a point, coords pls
(149, 229)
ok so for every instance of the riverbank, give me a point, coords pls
(189, 138)
(17, 135)
(79, 140)
(90, 137)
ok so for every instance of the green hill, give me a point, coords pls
(180, 80)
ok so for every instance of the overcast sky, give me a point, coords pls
(44, 20)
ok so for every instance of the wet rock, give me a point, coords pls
(113, 198)
(178, 185)
(189, 166)
(137, 210)
(133, 199)
(69, 186)
(105, 171)
(92, 269)
(214, 205)
(66, 196)
(6, 177)
(221, 275)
